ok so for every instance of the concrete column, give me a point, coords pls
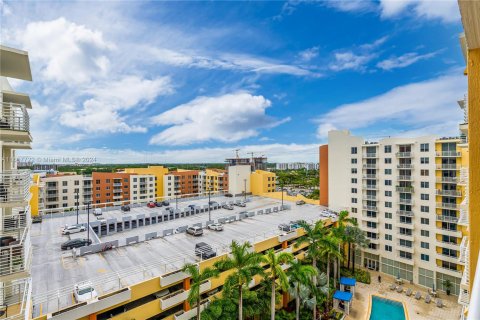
(284, 245)
(186, 286)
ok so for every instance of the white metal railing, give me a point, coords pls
(463, 179)
(448, 154)
(404, 178)
(446, 205)
(370, 166)
(404, 189)
(405, 201)
(14, 186)
(15, 297)
(370, 155)
(404, 154)
(463, 250)
(14, 116)
(370, 186)
(405, 166)
(370, 176)
(16, 255)
(447, 218)
(371, 208)
(14, 224)
(447, 179)
(463, 219)
(474, 308)
(407, 213)
(448, 166)
(448, 193)
(369, 197)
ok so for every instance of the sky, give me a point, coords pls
(191, 82)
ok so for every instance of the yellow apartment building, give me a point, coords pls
(262, 182)
(158, 171)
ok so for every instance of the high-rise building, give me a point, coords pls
(406, 194)
(15, 258)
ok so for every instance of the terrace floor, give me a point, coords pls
(417, 309)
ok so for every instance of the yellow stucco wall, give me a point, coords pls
(157, 171)
(35, 191)
(260, 184)
(278, 195)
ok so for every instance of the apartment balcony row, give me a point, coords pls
(446, 257)
(463, 219)
(405, 166)
(449, 232)
(448, 166)
(447, 218)
(15, 256)
(447, 205)
(447, 179)
(448, 154)
(405, 201)
(370, 155)
(404, 154)
(14, 188)
(14, 119)
(371, 218)
(370, 176)
(369, 197)
(404, 189)
(370, 186)
(448, 193)
(407, 213)
(370, 166)
(16, 298)
(463, 257)
(404, 178)
(447, 244)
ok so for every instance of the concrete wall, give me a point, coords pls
(323, 175)
(238, 176)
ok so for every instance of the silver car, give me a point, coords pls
(215, 226)
(75, 228)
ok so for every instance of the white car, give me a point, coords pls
(73, 229)
(215, 226)
(84, 292)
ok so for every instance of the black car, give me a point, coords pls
(37, 219)
(228, 195)
(76, 243)
(165, 203)
(192, 206)
(170, 209)
(204, 251)
(125, 208)
(158, 204)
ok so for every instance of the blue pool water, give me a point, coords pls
(383, 309)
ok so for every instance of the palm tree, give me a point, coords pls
(329, 249)
(197, 277)
(359, 239)
(245, 264)
(313, 235)
(300, 276)
(276, 272)
(340, 232)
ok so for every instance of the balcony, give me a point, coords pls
(370, 176)
(14, 188)
(370, 208)
(370, 186)
(406, 248)
(447, 219)
(463, 219)
(192, 313)
(117, 184)
(14, 122)
(463, 257)
(404, 154)
(405, 166)
(117, 196)
(370, 166)
(405, 259)
(404, 178)
(449, 232)
(448, 166)
(447, 179)
(370, 155)
(366, 217)
(369, 197)
(445, 257)
(445, 205)
(405, 235)
(448, 193)
(407, 213)
(447, 244)
(404, 189)
(16, 298)
(15, 256)
(405, 201)
(448, 154)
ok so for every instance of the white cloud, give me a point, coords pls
(445, 10)
(102, 112)
(308, 54)
(226, 118)
(350, 5)
(420, 104)
(225, 61)
(66, 52)
(404, 60)
(275, 152)
(356, 58)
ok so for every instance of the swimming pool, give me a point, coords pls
(382, 309)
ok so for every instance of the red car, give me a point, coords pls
(151, 204)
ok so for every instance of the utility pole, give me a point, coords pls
(88, 222)
(282, 194)
(245, 190)
(76, 198)
(176, 200)
(209, 215)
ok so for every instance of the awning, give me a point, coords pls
(343, 296)
(348, 281)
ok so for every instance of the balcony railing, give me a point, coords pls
(15, 223)
(447, 179)
(370, 155)
(404, 154)
(370, 176)
(404, 178)
(445, 205)
(15, 254)
(370, 208)
(370, 186)
(14, 186)
(448, 193)
(15, 297)
(371, 198)
(448, 154)
(405, 166)
(447, 218)
(463, 220)
(407, 213)
(405, 201)
(370, 166)
(117, 184)
(404, 189)
(14, 117)
(448, 166)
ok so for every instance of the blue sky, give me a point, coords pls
(192, 81)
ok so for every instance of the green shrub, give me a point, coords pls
(361, 275)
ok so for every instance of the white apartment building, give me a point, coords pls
(239, 179)
(62, 189)
(142, 187)
(15, 220)
(405, 193)
(297, 166)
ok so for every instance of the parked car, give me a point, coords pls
(37, 219)
(192, 206)
(84, 292)
(285, 227)
(228, 195)
(165, 203)
(300, 202)
(74, 228)
(213, 203)
(240, 204)
(215, 226)
(195, 231)
(97, 212)
(75, 243)
(170, 209)
(227, 206)
(125, 208)
(204, 251)
(158, 203)
(151, 205)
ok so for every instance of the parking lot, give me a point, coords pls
(54, 270)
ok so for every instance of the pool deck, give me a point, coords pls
(417, 309)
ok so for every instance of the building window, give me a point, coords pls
(388, 182)
(424, 184)
(97, 201)
(76, 182)
(424, 147)
(125, 180)
(388, 160)
(97, 181)
(388, 215)
(388, 248)
(388, 226)
(65, 198)
(354, 200)
(425, 196)
(97, 188)
(424, 208)
(354, 160)
(134, 179)
(424, 160)
(354, 170)
(388, 193)
(425, 221)
(388, 149)
(425, 233)
(388, 204)
(65, 191)
(354, 210)
(354, 180)
(354, 150)
(424, 172)
(425, 245)
(425, 257)
(388, 237)
(354, 190)
(388, 171)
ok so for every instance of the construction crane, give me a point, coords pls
(236, 152)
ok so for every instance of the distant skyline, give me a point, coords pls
(186, 82)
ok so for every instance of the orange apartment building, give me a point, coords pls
(110, 187)
(323, 175)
